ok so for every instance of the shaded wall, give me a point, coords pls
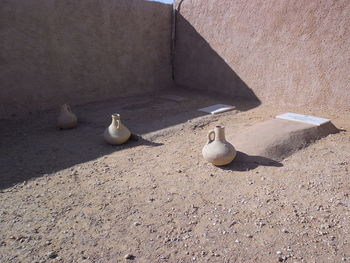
(287, 52)
(56, 51)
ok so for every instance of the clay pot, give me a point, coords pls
(116, 133)
(217, 150)
(66, 119)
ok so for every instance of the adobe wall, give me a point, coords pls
(287, 52)
(56, 51)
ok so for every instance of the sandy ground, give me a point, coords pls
(66, 196)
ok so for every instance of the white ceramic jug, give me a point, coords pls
(217, 150)
(66, 118)
(116, 133)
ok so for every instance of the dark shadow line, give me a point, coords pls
(244, 162)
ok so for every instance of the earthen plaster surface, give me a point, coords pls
(283, 52)
(60, 51)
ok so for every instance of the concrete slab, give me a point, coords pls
(303, 118)
(278, 138)
(217, 108)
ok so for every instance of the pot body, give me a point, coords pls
(67, 119)
(217, 150)
(116, 133)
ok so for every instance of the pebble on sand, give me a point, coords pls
(129, 256)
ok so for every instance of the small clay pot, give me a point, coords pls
(217, 150)
(116, 133)
(66, 118)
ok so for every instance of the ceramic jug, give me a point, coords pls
(217, 150)
(66, 118)
(116, 133)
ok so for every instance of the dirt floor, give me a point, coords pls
(66, 196)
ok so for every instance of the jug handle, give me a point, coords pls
(117, 124)
(210, 139)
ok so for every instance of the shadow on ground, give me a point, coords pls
(33, 147)
(244, 162)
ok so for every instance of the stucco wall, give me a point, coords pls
(55, 51)
(288, 52)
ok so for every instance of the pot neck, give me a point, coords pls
(116, 117)
(116, 120)
(219, 133)
(65, 109)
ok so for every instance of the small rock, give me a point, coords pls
(129, 256)
(52, 254)
(322, 233)
(325, 226)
